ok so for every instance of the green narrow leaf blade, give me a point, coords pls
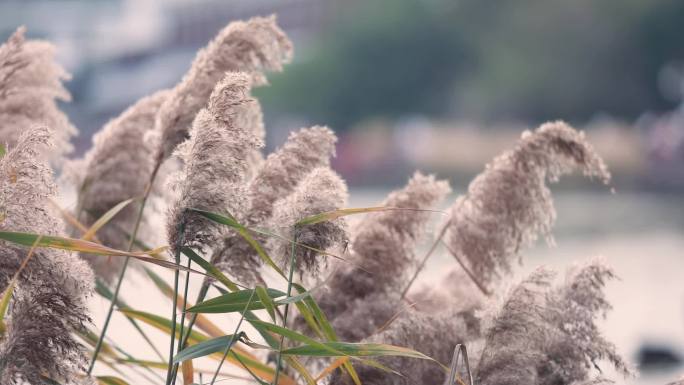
(210, 269)
(355, 350)
(232, 302)
(164, 325)
(331, 215)
(327, 330)
(205, 348)
(244, 233)
(266, 300)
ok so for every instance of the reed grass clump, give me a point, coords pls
(247, 223)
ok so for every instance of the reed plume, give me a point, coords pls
(548, 335)
(253, 47)
(434, 335)
(50, 298)
(30, 85)
(322, 190)
(455, 291)
(304, 151)
(214, 165)
(509, 204)
(117, 167)
(383, 246)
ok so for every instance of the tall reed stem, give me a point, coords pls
(287, 305)
(181, 341)
(440, 238)
(232, 339)
(425, 259)
(174, 311)
(131, 241)
(468, 272)
(200, 297)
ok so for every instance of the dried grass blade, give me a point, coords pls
(331, 215)
(104, 219)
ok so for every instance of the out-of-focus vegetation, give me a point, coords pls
(491, 61)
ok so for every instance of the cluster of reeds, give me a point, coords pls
(236, 218)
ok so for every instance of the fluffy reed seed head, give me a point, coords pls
(510, 355)
(322, 190)
(214, 164)
(433, 335)
(509, 204)
(548, 335)
(383, 245)
(254, 46)
(117, 167)
(50, 299)
(277, 177)
(456, 291)
(384, 242)
(304, 150)
(30, 85)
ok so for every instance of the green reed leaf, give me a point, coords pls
(266, 300)
(211, 270)
(214, 345)
(354, 349)
(244, 233)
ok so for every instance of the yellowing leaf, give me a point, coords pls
(237, 356)
(331, 215)
(28, 239)
(331, 368)
(110, 380)
(104, 219)
(188, 372)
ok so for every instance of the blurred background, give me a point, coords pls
(443, 86)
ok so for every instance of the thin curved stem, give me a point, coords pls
(425, 259)
(438, 240)
(131, 241)
(468, 272)
(232, 339)
(287, 305)
(174, 311)
(181, 344)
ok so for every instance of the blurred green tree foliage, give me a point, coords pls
(526, 60)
